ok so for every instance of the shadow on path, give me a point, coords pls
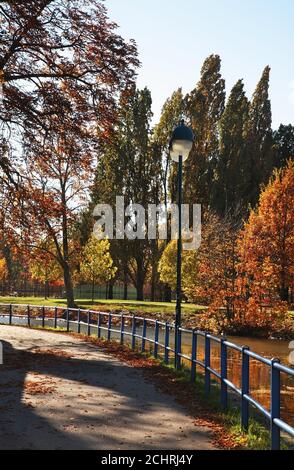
(51, 399)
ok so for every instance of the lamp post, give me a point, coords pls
(180, 147)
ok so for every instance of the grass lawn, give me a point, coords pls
(132, 306)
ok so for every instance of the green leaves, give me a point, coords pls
(97, 264)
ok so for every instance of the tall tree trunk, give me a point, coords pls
(125, 290)
(45, 290)
(125, 283)
(140, 278)
(154, 248)
(284, 289)
(93, 288)
(140, 290)
(152, 294)
(167, 293)
(68, 286)
(140, 285)
(110, 290)
(153, 282)
(284, 294)
(66, 267)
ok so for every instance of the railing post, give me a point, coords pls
(207, 364)
(29, 316)
(10, 314)
(144, 333)
(88, 323)
(79, 321)
(224, 374)
(275, 404)
(43, 317)
(122, 329)
(109, 327)
(67, 319)
(99, 325)
(194, 356)
(245, 389)
(134, 333)
(178, 348)
(156, 337)
(55, 318)
(166, 344)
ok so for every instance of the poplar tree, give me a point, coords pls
(258, 155)
(204, 108)
(142, 176)
(130, 167)
(283, 145)
(228, 172)
(172, 112)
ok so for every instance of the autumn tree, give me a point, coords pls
(167, 267)
(43, 266)
(97, 265)
(3, 270)
(62, 67)
(204, 108)
(215, 283)
(209, 274)
(266, 245)
(68, 42)
(57, 164)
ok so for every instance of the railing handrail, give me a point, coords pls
(244, 392)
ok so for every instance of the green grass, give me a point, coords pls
(33, 301)
(107, 305)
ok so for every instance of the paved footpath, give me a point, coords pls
(60, 393)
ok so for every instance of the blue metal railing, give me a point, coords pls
(109, 323)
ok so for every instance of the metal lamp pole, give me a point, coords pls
(178, 322)
(180, 147)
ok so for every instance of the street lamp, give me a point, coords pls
(180, 147)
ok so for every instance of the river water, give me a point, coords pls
(259, 373)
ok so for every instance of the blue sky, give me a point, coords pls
(174, 38)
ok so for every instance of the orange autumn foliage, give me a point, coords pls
(247, 276)
(3, 269)
(266, 247)
(215, 283)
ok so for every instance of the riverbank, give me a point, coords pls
(193, 315)
(167, 309)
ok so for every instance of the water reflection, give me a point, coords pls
(259, 373)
